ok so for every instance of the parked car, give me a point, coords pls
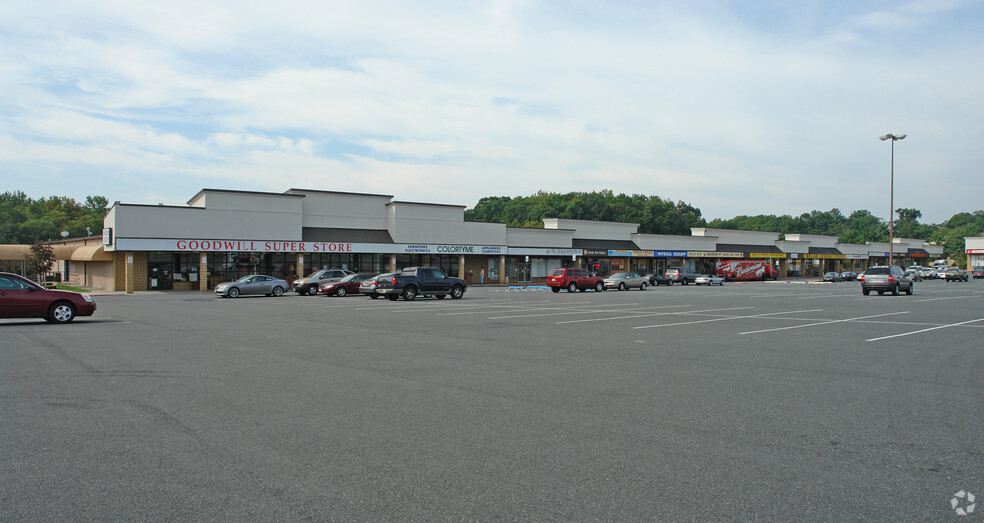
(254, 284)
(927, 273)
(347, 285)
(368, 286)
(626, 280)
(574, 280)
(659, 279)
(22, 298)
(421, 281)
(309, 285)
(832, 276)
(884, 278)
(955, 274)
(709, 279)
(849, 276)
(978, 272)
(682, 275)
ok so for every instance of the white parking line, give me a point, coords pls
(572, 310)
(725, 318)
(947, 298)
(823, 323)
(926, 330)
(640, 315)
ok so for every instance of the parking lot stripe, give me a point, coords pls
(639, 315)
(578, 310)
(724, 318)
(926, 330)
(823, 323)
(947, 298)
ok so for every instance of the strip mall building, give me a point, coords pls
(221, 235)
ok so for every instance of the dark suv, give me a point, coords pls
(309, 285)
(884, 278)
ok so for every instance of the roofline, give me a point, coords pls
(234, 191)
(428, 205)
(339, 192)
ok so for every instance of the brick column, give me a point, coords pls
(129, 273)
(392, 263)
(502, 270)
(461, 266)
(203, 272)
(300, 265)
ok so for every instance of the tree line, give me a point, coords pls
(24, 220)
(657, 215)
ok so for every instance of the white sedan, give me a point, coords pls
(709, 279)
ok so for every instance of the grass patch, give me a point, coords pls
(67, 288)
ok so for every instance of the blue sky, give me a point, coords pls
(744, 107)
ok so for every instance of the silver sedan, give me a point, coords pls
(256, 284)
(626, 280)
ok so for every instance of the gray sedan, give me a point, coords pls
(626, 280)
(252, 284)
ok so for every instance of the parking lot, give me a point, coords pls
(765, 400)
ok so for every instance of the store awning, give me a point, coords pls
(335, 234)
(14, 252)
(738, 247)
(604, 245)
(91, 253)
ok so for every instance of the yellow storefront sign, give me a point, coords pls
(778, 255)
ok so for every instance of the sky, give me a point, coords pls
(735, 107)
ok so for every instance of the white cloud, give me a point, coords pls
(770, 109)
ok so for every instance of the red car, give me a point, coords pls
(574, 280)
(345, 286)
(22, 298)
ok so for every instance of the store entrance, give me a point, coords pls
(159, 276)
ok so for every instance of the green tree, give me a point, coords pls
(40, 259)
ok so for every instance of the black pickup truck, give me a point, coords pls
(416, 281)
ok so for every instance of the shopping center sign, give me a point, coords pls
(196, 245)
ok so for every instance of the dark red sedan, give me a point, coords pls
(22, 298)
(345, 286)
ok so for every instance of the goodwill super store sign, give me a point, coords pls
(182, 245)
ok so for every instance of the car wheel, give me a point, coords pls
(881, 293)
(895, 290)
(599, 287)
(642, 286)
(441, 296)
(909, 291)
(685, 282)
(392, 297)
(278, 291)
(234, 292)
(572, 287)
(409, 293)
(621, 286)
(456, 292)
(61, 312)
(374, 296)
(341, 292)
(555, 289)
(865, 291)
(313, 291)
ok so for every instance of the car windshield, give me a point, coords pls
(619, 275)
(350, 277)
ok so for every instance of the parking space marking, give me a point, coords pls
(946, 298)
(724, 318)
(574, 310)
(823, 323)
(926, 330)
(639, 315)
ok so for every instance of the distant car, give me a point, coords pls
(682, 275)
(849, 275)
(310, 283)
(368, 285)
(832, 276)
(254, 284)
(978, 272)
(940, 271)
(955, 274)
(709, 279)
(573, 280)
(626, 280)
(22, 298)
(885, 278)
(659, 279)
(345, 286)
(927, 273)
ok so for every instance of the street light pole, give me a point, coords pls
(891, 196)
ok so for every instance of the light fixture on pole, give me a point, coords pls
(891, 196)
